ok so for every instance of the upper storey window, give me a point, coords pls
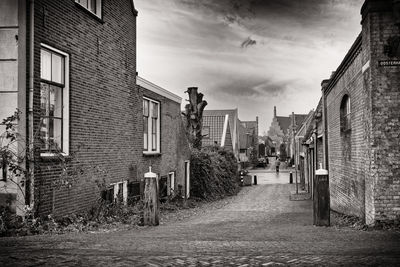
(93, 6)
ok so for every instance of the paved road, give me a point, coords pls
(259, 227)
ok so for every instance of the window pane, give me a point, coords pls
(57, 68)
(84, 3)
(93, 6)
(55, 102)
(154, 142)
(44, 99)
(145, 133)
(154, 134)
(348, 106)
(45, 65)
(154, 110)
(56, 134)
(44, 133)
(145, 108)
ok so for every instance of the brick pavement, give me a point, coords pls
(258, 227)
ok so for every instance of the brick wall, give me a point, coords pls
(346, 150)
(383, 85)
(104, 101)
(364, 164)
(174, 144)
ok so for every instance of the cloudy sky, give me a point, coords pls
(246, 54)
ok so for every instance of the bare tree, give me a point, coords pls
(194, 116)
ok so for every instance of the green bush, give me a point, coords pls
(213, 174)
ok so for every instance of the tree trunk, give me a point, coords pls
(194, 116)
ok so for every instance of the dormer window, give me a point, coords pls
(94, 6)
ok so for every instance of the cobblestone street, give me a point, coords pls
(258, 227)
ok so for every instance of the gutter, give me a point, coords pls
(30, 174)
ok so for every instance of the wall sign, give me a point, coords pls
(389, 63)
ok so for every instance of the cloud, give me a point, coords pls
(248, 42)
(205, 43)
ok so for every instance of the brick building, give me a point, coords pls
(280, 131)
(70, 68)
(248, 140)
(361, 109)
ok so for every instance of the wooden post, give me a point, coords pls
(321, 203)
(151, 201)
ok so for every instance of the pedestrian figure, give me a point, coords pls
(277, 165)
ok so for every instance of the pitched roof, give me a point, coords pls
(232, 118)
(284, 122)
(299, 119)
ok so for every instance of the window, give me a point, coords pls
(206, 132)
(151, 126)
(116, 193)
(93, 6)
(54, 99)
(345, 114)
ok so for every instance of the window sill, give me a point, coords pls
(54, 156)
(90, 13)
(151, 154)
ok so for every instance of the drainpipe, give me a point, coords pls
(30, 173)
(324, 85)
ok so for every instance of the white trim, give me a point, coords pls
(98, 7)
(187, 178)
(66, 96)
(224, 130)
(171, 189)
(365, 67)
(157, 89)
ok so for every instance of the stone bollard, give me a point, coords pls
(151, 201)
(255, 179)
(321, 202)
(291, 178)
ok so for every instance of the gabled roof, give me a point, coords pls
(299, 119)
(233, 117)
(284, 122)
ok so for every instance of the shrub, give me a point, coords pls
(213, 174)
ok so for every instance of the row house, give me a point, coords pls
(280, 132)
(248, 137)
(356, 122)
(86, 130)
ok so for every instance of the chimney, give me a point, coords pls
(274, 111)
(293, 120)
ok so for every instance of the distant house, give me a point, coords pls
(280, 131)
(299, 151)
(248, 137)
(312, 143)
(221, 129)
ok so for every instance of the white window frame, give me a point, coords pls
(65, 107)
(187, 178)
(171, 184)
(116, 186)
(88, 8)
(150, 150)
